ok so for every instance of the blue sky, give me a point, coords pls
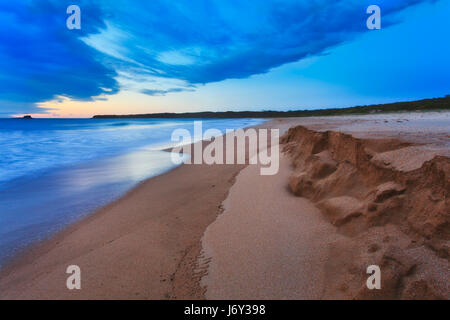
(174, 56)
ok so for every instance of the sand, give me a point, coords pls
(265, 249)
(140, 247)
(144, 246)
(383, 201)
(388, 197)
(224, 231)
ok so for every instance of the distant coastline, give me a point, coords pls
(433, 104)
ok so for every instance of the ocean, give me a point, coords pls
(53, 172)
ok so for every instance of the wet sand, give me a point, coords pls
(140, 247)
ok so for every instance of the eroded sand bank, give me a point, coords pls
(383, 190)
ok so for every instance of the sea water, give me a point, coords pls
(53, 172)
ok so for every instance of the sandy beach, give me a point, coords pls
(342, 200)
(139, 247)
(224, 158)
(265, 249)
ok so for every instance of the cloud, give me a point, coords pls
(40, 59)
(194, 41)
(158, 92)
(208, 41)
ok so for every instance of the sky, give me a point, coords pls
(218, 55)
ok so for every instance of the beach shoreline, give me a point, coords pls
(166, 250)
(218, 177)
(157, 230)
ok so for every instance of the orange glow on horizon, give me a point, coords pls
(115, 104)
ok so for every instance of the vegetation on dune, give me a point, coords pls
(420, 105)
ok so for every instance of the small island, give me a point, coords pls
(27, 117)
